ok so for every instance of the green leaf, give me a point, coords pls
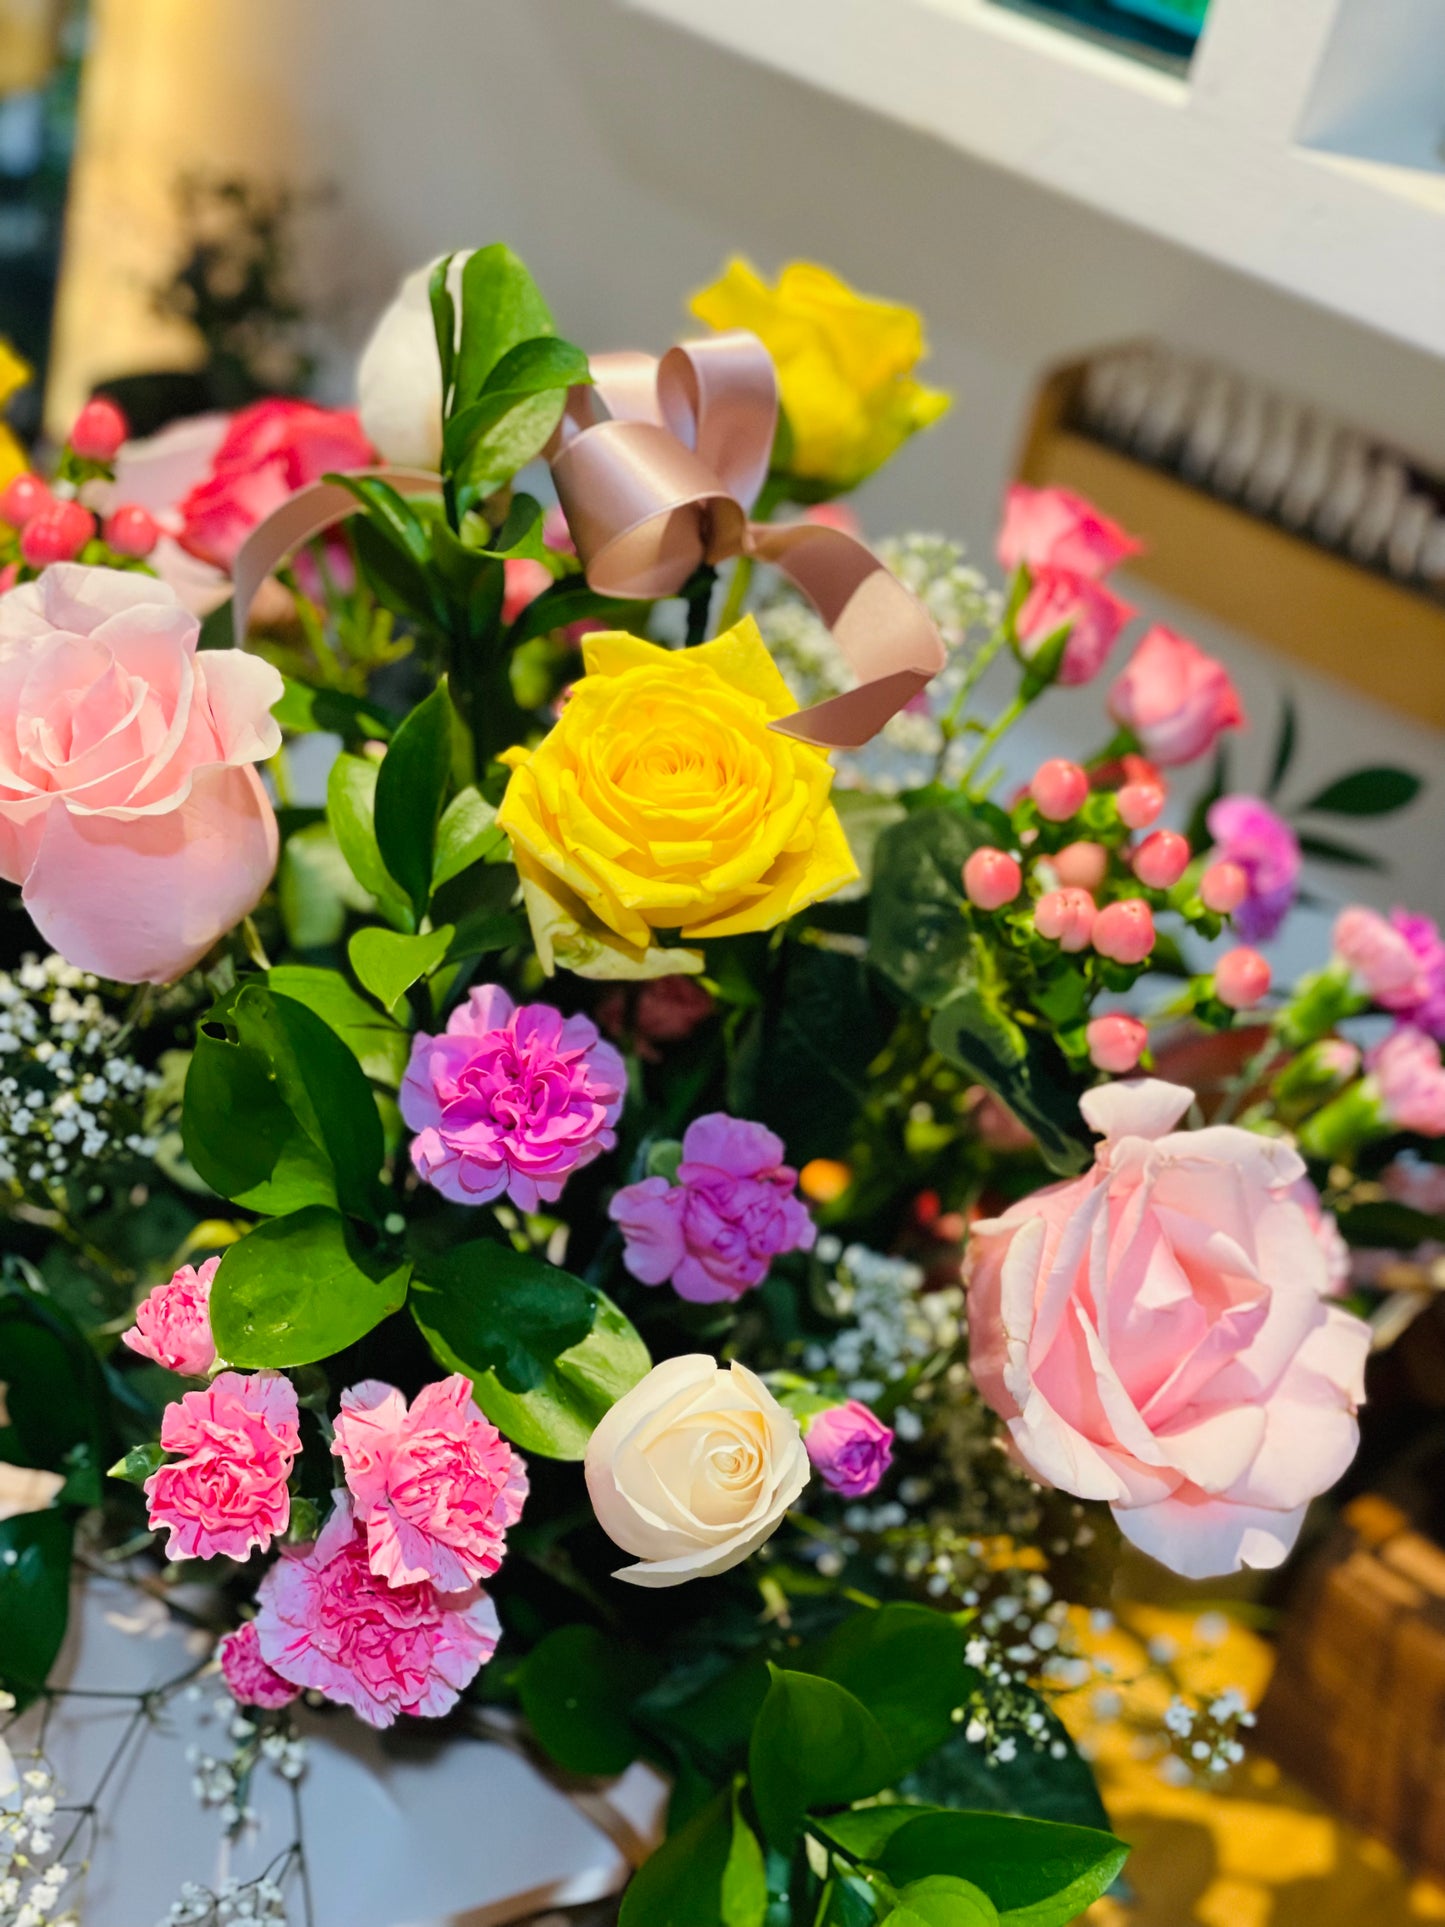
(569, 601)
(1324, 849)
(1397, 1226)
(55, 1392)
(1035, 1782)
(528, 386)
(546, 1353)
(577, 1687)
(351, 812)
(390, 513)
(846, 1902)
(919, 931)
(34, 1597)
(1374, 791)
(905, 1663)
(399, 584)
(943, 1900)
(978, 1036)
(410, 790)
(387, 963)
(316, 888)
(278, 1113)
(138, 1464)
(301, 1288)
(1284, 747)
(813, 1745)
(444, 322)
(466, 834)
(501, 306)
(710, 1874)
(303, 708)
(1036, 1872)
(379, 1045)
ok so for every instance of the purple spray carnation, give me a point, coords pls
(732, 1210)
(850, 1447)
(510, 1099)
(1251, 834)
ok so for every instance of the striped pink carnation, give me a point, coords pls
(228, 1496)
(173, 1323)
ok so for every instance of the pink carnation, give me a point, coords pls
(1410, 1079)
(1054, 528)
(436, 1487)
(1094, 616)
(327, 1622)
(1377, 953)
(250, 1680)
(1422, 1002)
(732, 1211)
(228, 1496)
(850, 1448)
(1249, 833)
(173, 1323)
(510, 1100)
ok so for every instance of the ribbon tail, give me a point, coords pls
(309, 512)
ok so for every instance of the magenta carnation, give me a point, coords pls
(732, 1210)
(1251, 834)
(510, 1100)
(327, 1622)
(173, 1324)
(249, 1679)
(1422, 1001)
(850, 1448)
(228, 1496)
(436, 1487)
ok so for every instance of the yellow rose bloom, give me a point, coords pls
(844, 365)
(14, 373)
(661, 800)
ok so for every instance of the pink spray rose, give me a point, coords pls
(850, 1448)
(228, 1496)
(268, 451)
(249, 1679)
(510, 1099)
(436, 1487)
(1409, 1080)
(173, 1324)
(731, 1212)
(129, 807)
(1249, 833)
(328, 1622)
(1174, 698)
(1158, 1334)
(1094, 616)
(1056, 529)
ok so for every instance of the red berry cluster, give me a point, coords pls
(51, 524)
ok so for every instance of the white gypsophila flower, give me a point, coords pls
(890, 1323)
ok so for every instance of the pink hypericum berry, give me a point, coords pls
(100, 431)
(1161, 859)
(1116, 1044)
(1124, 931)
(991, 878)
(1059, 788)
(1081, 866)
(1066, 917)
(26, 496)
(132, 530)
(1139, 804)
(1241, 978)
(1223, 887)
(56, 534)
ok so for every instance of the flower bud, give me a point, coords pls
(1116, 1043)
(850, 1448)
(991, 878)
(100, 431)
(1081, 866)
(1317, 1072)
(1223, 887)
(1066, 917)
(1139, 804)
(26, 496)
(1161, 859)
(1124, 931)
(1241, 978)
(56, 534)
(131, 530)
(1059, 789)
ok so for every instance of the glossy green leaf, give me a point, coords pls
(390, 512)
(905, 1664)
(577, 1687)
(351, 812)
(303, 708)
(501, 306)
(411, 787)
(524, 394)
(444, 322)
(546, 1353)
(1022, 1068)
(466, 834)
(710, 1874)
(942, 1900)
(316, 889)
(139, 1464)
(919, 931)
(34, 1597)
(378, 1044)
(1047, 1779)
(403, 586)
(1375, 791)
(55, 1394)
(388, 963)
(300, 1288)
(569, 601)
(813, 1745)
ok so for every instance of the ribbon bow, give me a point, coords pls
(656, 466)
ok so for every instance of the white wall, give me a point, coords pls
(625, 160)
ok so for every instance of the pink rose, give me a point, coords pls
(157, 474)
(328, 1623)
(1093, 615)
(435, 1487)
(1409, 1079)
(1174, 698)
(510, 1100)
(1157, 1334)
(525, 581)
(850, 1448)
(268, 451)
(129, 807)
(228, 1496)
(1327, 1235)
(173, 1324)
(717, 1230)
(248, 1678)
(1052, 528)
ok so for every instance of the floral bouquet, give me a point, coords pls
(639, 1199)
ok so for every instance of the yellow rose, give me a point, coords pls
(661, 800)
(14, 373)
(844, 365)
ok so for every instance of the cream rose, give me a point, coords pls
(692, 1469)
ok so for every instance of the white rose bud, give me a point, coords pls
(692, 1469)
(399, 379)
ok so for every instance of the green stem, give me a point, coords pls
(952, 717)
(991, 737)
(1247, 1077)
(732, 608)
(697, 594)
